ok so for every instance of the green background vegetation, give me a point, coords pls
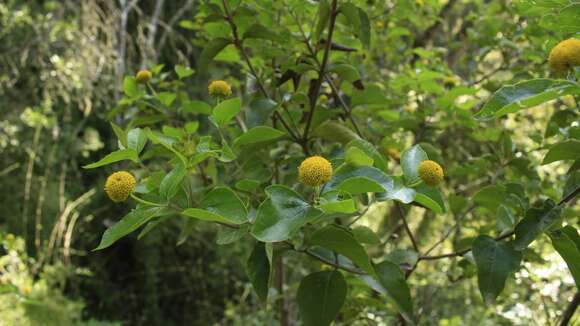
(401, 81)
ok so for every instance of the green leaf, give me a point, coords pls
(282, 214)
(370, 150)
(229, 235)
(130, 87)
(214, 47)
(430, 197)
(566, 150)
(166, 98)
(166, 142)
(258, 31)
(495, 261)
(357, 157)
(566, 241)
(116, 156)
(335, 202)
(408, 258)
(257, 135)
(393, 281)
(220, 205)
(183, 71)
(505, 219)
(258, 270)
(171, 182)
(365, 29)
(490, 197)
(323, 16)
(357, 180)
(346, 72)
(335, 132)
(523, 95)
(120, 133)
(259, 111)
(130, 223)
(536, 221)
(342, 242)
(136, 139)
(364, 234)
(196, 107)
(410, 160)
(226, 111)
(320, 297)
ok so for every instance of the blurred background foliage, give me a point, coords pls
(429, 66)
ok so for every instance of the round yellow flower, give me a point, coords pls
(119, 186)
(431, 172)
(314, 171)
(219, 88)
(565, 55)
(143, 76)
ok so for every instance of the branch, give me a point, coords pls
(238, 44)
(407, 228)
(564, 201)
(569, 312)
(322, 70)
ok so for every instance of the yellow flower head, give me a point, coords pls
(430, 172)
(565, 55)
(219, 88)
(314, 171)
(143, 76)
(119, 186)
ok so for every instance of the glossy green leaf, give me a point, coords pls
(258, 270)
(566, 150)
(356, 180)
(129, 223)
(495, 261)
(430, 197)
(370, 150)
(341, 241)
(130, 87)
(346, 71)
(257, 135)
(210, 51)
(136, 139)
(166, 98)
(226, 111)
(392, 279)
(536, 221)
(357, 157)
(410, 160)
(567, 242)
(335, 132)
(120, 133)
(229, 235)
(523, 95)
(116, 156)
(282, 214)
(259, 111)
(220, 205)
(364, 234)
(171, 182)
(183, 71)
(320, 297)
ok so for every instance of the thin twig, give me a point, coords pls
(569, 312)
(407, 228)
(322, 70)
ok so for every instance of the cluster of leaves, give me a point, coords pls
(234, 162)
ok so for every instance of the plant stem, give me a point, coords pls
(322, 70)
